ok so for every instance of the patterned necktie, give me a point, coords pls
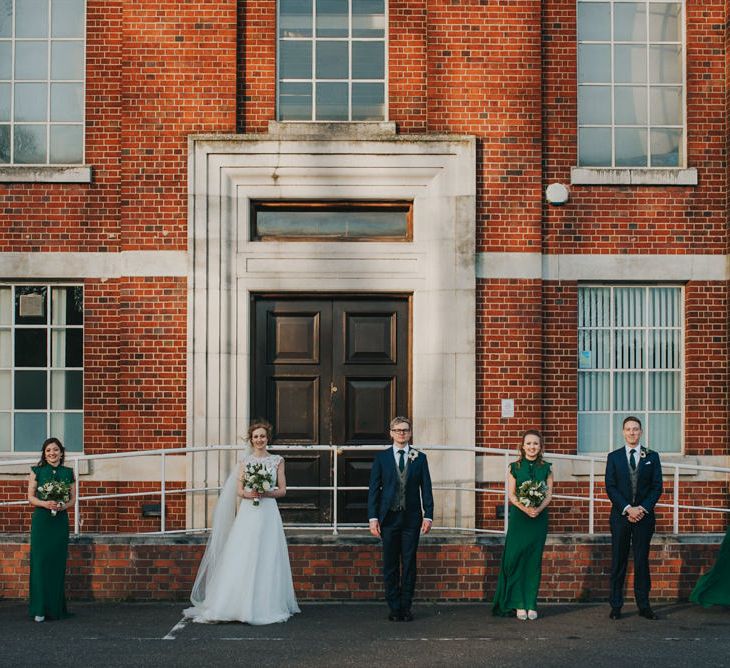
(401, 461)
(632, 459)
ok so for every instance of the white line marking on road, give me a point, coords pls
(253, 639)
(446, 639)
(176, 629)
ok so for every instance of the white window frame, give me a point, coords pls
(614, 439)
(637, 175)
(46, 171)
(48, 368)
(314, 81)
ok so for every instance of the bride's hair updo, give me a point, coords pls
(260, 423)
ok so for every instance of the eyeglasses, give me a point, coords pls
(401, 431)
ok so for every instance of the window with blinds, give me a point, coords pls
(630, 363)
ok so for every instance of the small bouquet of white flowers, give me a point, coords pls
(257, 478)
(54, 490)
(532, 493)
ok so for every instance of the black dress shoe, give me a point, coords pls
(407, 616)
(647, 613)
(394, 616)
(615, 613)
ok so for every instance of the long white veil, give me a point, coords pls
(224, 515)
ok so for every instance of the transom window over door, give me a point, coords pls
(631, 84)
(42, 72)
(630, 363)
(331, 58)
(281, 220)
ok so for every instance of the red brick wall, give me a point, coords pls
(509, 359)
(706, 369)
(446, 572)
(178, 78)
(153, 363)
(110, 515)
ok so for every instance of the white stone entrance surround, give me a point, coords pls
(437, 268)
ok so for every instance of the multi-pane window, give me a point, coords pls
(41, 366)
(42, 82)
(630, 84)
(332, 64)
(629, 363)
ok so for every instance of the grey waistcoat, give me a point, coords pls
(399, 503)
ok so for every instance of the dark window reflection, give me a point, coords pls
(68, 348)
(30, 347)
(30, 389)
(68, 305)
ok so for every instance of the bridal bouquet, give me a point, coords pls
(54, 490)
(258, 479)
(531, 493)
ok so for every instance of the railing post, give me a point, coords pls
(162, 493)
(591, 496)
(334, 492)
(77, 502)
(506, 492)
(675, 509)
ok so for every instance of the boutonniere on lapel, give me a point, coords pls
(644, 452)
(412, 455)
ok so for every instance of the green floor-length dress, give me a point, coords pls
(519, 574)
(713, 588)
(49, 551)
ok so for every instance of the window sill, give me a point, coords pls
(45, 174)
(331, 130)
(608, 176)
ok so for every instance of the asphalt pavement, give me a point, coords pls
(344, 634)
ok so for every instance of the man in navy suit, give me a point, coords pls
(634, 485)
(399, 484)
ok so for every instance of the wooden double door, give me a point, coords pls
(330, 370)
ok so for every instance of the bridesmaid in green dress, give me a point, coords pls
(713, 588)
(49, 535)
(519, 575)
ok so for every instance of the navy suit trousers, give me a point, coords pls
(400, 533)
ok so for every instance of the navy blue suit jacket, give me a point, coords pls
(383, 490)
(649, 486)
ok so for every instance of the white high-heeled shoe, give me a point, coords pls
(532, 614)
(39, 618)
(522, 615)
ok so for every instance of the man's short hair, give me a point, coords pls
(631, 418)
(400, 418)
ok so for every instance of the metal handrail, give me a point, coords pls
(336, 488)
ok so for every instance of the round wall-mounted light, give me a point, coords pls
(557, 193)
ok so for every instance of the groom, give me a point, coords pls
(634, 485)
(399, 485)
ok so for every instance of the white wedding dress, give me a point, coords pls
(245, 574)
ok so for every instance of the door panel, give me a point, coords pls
(370, 364)
(299, 423)
(329, 371)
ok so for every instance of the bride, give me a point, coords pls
(244, 574)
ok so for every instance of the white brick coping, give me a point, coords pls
(603, 267)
